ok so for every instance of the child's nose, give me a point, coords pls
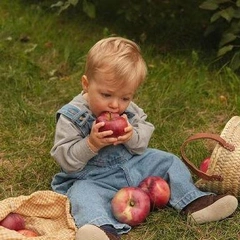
(114, 104)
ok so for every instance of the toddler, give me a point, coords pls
(94, 165)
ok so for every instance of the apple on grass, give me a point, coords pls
(114, 122)
(13, 221)
(130, 205)
(157, 189)
(205, 164)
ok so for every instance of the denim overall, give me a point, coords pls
(90, 190)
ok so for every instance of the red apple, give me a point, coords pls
(28, 233)
(204, 164)
(114, 122)
(13, 221)
(130, 205)
(157, 189)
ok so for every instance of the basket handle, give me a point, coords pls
(191, 166)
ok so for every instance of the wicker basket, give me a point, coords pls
(223, 174)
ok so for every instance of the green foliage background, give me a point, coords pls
(148, 19)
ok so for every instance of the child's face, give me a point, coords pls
(103, 95)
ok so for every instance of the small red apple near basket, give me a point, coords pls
(28, 233)
(205, 164)
(13, 221)
(16, 222)
(223, 173)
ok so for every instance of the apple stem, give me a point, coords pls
(131, 203)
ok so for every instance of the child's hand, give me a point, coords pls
(128, 133)
(98, 140)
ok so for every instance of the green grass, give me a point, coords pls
(42, 59)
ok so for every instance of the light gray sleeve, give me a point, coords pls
(142, 131)
(70, 149)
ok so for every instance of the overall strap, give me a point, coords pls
(81, 118)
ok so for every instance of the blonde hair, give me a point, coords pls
(119, 57)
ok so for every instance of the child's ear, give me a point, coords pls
(85, 83)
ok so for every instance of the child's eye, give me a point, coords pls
(126, 99)
(105, 95)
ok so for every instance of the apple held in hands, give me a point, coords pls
(13, 221)
(205, 164)
(114, 122)
(130, 205)
(157, 189)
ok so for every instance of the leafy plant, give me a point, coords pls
(87, 6)
(154, 21)
(225, 20)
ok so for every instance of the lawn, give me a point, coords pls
(42, 59)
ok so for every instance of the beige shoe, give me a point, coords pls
(211, 208)
(91, 232)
